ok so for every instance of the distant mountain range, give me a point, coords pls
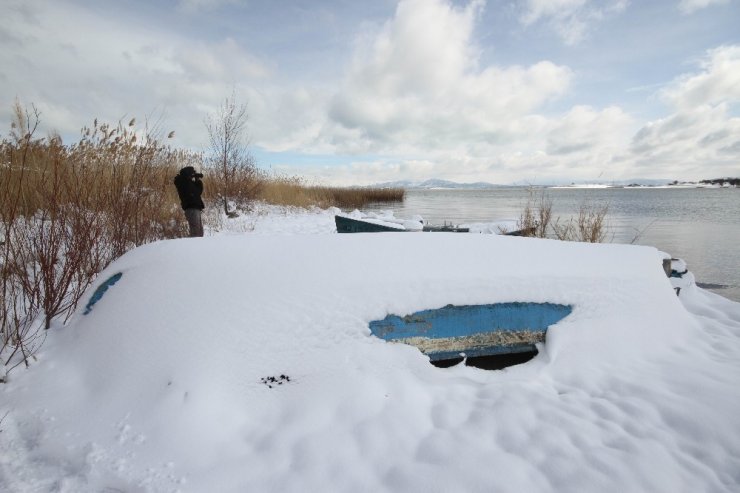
(482, 185)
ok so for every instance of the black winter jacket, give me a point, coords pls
(189, 188)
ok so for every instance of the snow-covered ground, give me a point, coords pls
(243, 361)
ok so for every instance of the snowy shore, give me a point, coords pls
(164, 385)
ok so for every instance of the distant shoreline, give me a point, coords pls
(594, 186)
(662, 187)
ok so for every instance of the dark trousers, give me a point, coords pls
(194, 222)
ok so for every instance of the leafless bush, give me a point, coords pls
(235, 176)
(589, 226)
(592, 227)
(536, 216)
(18, 311)
(536, 220)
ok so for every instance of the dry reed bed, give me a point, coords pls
(292, 191)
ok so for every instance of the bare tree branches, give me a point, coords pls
(237, 177)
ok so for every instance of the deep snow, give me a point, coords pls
(164, 385)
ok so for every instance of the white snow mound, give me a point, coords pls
(164, 385)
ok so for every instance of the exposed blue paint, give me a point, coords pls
(100, 291)
(476, 330)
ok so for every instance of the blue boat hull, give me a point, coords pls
(476, 330)
(349, 225)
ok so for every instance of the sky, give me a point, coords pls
(351, 92)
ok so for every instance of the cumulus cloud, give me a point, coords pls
(702, 130)
(598, 133)
(416, 94)
(571, 19)
(716, 82)
(418, 82)
(471, 122)
(691, 6)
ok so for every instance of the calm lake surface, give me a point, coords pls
(701, 226)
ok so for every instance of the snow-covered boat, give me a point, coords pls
(369, 225)
(350, 225)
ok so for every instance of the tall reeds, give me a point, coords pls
(67, 211)
(294, 192)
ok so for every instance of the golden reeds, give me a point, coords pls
(293, 191)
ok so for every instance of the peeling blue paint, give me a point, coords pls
(476, 330)
(100, 291)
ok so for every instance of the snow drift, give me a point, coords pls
(245, 363)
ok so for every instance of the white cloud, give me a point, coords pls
(717, 82)
(415, 94)
(599, 134)
(459, 138)
(571, 19)
(417, 84)
(691, 6)
(421, 99)
(195, 6)
(702, 131)
(77, 65)
(706, 139)
(537, 9)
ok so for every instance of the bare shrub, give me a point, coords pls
(536, 220)
(589, 226)
(591, 223)
(18, 311)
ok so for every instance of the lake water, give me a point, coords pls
(701, 226)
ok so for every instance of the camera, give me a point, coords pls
(198, 175)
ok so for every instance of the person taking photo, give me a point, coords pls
(189, 189)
